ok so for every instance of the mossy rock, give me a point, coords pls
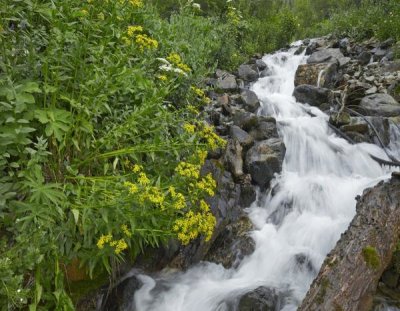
(371, 257)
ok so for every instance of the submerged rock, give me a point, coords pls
(312, 95)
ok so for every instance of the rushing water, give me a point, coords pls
(312, 204)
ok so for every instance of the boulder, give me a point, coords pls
(233, 158)
(364, 58)
(248, 72)
(226, 83)
(260, 299)
(355, 92)
(264, 129)
(265, 159)
(249, 100)
(244, 139)
(379, 105)
(325, 56)
(260, 64)
(245, 120)
(312, 95)
(309, 73)
(350, 273)
(357, 125)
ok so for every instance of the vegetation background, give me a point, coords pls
(100, 139)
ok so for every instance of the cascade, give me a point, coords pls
(297, 224)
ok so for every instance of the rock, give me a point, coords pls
(250, 100)
(312, 95)
(364, 58)
(300, 50)
(264, 129)
(233, 243)
(379, 105)
(248, 73)
(379, 53)
(344, 61)
(245, 120)
(120, 296)
(372, 90)
(311, 48)
(357, 125)
(382, 126)
(226, 83)
(260, 64)
(265, 73)
(264, 159)
(244, 139)
(233, 157)
(339, 119)
(394, 90)
(325, 56)
(350, 273)
(309, 73)
(387, 43)
(247, 192)
(260, 299)
(355, 92)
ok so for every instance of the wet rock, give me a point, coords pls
(339, 119)
(325, 56)
(247, 192)
(379, 105)
(357, 125)
(309, 73)
(394, 90)
(355, 93)
(264, 129)
(260, 64)
(120, 296)
(312, 95)
(248, 72)
(264, 159)
(249, 100)
(233, 243)
(260, 299)
(381, 126)
(245, 120)
(244, 139)
(350, 273)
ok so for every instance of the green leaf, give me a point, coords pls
(75, 213)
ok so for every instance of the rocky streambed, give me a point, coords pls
(360, 97)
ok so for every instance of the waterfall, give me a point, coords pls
(313, 202)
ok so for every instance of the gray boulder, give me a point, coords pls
(249, 100)
(379, 105)
(312, 95)
(309, 73)
(226, 83)
(233, 158)
(325, 56)
(241, 136)
(260, 299)
(248, 72)
(265, 159)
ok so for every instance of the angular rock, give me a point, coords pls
(226, 83)
(265, 159)
(364, 58)
(355, 93)
(248, 73)
(357, 125)
(327, 73)
(245, 120)
(325, 56)
(241, 136)
(233, 157)
(312, 95)
(260, 64)
(264, 129)
(339, 119)
(249, 100)
(379, 105)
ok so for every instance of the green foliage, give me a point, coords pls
(371, 257)
(86, 95)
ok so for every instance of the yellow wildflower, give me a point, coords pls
(120, 246)
(145, 42)
(180, 201)
(184, 67)
(197, 91)
(132, 188)
(143, 180)
(189, 128)
(155, 196)
(136, 3)
(204, 206)
(174, 58)
(192, 109)
(162, 77)
(207, 184)
(126, 231)
(103, 240)
(100, 16)
(202, 155)
(133, 29)
(212, 139)
(136, 168)
(188, 170)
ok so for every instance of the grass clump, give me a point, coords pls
(371, 257)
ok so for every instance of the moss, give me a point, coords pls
(322, 292)
(371, 257)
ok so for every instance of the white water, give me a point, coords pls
(313, 203)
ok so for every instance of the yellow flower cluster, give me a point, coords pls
(200, 93)
(162, 77)
(133, 29)
(104, 239)
(143, 179)
(204, 206)
(119, 245)
(188, 170)
(189, 128)
(212, 139)
(132, 188)
(193, 224)
(146, 42)
(136, 168)
(126, 231)
(175, 59)
(207, 184)
(179, 201)
(154, 195)
(202, 155)
(136, 3)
